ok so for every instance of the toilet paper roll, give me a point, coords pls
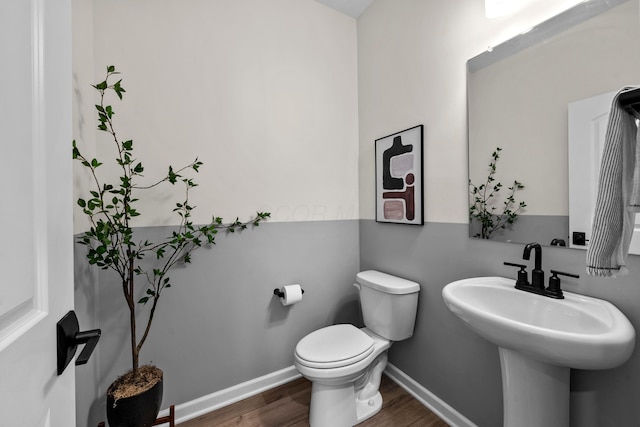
(292, 294)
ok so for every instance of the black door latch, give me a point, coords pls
(69, 337)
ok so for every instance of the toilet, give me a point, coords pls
(344, 363)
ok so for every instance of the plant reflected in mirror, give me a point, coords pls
(483, 206)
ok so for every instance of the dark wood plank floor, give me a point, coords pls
(288, 406)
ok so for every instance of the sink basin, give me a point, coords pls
(576, 332)
(539, 340)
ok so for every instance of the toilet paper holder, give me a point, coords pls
(277, 292)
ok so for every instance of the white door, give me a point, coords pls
(588, 120)
(36, 241)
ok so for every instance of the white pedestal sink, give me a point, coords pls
(540, 339)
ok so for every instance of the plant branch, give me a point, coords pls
(110, 239)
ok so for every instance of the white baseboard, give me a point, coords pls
(219, 399)
(428, 399)
(205, 404)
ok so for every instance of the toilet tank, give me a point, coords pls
(389, 304)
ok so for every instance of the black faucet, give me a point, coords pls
(537, 275)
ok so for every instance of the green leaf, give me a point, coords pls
(118, 89)
(172, 176)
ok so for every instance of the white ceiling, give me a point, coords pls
(353, 8)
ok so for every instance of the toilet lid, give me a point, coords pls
(334, 346)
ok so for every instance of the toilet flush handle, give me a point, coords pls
(357, 285)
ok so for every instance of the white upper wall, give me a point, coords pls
(412, 70)
(264, 93)
(272, 97)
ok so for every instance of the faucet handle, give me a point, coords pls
(523, 279)
(560, 273)
(554, 290)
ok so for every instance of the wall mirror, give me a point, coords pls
(518, 97)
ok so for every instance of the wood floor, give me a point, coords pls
(288, 406)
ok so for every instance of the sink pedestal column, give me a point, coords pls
(535, 394)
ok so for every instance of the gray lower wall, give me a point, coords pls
(530, 228)
(220, 325)
(460, 367)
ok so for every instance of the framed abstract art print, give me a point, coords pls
(399, 186)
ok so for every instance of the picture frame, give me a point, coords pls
(399, 177)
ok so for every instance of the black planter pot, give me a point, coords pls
(136, 411)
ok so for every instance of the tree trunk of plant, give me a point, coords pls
(129, 286)
(134, 347)
(485, 232)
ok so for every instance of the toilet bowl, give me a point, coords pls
(345, 363)
(338, 360)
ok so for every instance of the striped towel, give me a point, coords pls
(614, 215)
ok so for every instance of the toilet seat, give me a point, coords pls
(334, 347)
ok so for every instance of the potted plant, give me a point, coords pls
(483, 197)
(112, 246)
